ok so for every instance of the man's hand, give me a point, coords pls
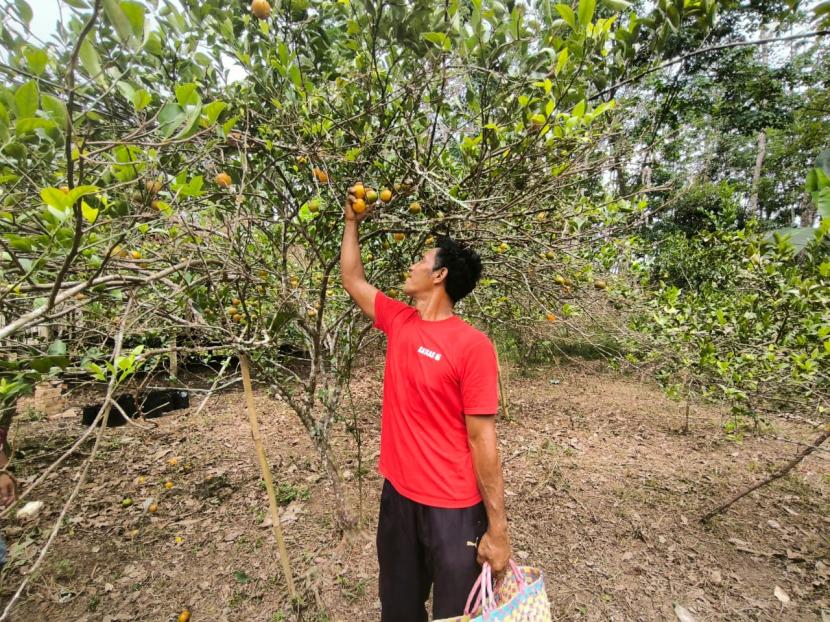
(8, 492)
(349, 214)
(495, 549)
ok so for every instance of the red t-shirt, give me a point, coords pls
(436, 373)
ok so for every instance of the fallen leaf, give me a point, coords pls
(683, 614)
(781, 595)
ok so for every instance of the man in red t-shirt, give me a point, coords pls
(442, 505)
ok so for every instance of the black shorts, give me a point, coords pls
(420, 546)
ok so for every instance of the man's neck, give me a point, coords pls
(434, 307)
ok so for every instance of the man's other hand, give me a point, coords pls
(7, 490)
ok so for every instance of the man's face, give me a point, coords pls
(422, 275)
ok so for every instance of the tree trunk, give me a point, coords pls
(754, 208)
(807, 210)
(345, 518)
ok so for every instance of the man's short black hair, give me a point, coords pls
(463, 267)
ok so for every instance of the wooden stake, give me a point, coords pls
(266, 472)
(502, 395)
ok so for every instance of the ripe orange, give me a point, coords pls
(429, 241)
(237, 317)
(232, 311)
(399, 237)
(386, 195)
(153, 508)
(415, 207)
(358, 206)
(168, 484)
(135, 254)
(156, 204)
(358, 191)
(153, 186)
(551, 317)
(559, 279)
(184, 616)
(236, 301)
(321, 175)
(261, 9)
(223, 179)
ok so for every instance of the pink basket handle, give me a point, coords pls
(482, 596)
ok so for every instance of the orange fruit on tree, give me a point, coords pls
(232, 311)
(168, 484)
(358, 206)
(184, 616)
(153, 186)
(429, 241)
(358, 191)
(371, 195)
(321, 175)
(156, 204)
(236, 301)
(135, 254)
(261, 9)
(223, 179)
(386, 195)
(314, 205)
(415, 207)
(399, 237)
(237, 317)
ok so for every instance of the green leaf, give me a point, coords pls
(24, 10)
(90, 214)
(36, 58)
(437, 38)
(170, 118)
(186, 95)
(80, 191)
(135, 14)
(89, 59)
(43, 364)
(120, 21)
(26, 99)
(30, 124)
(55, 107)
(617, 5)
(579, 110)
(586, 11)
(54, 197)
(561, 60)
(56, 348)
(567, 14)
(213, 110)
(799, 237)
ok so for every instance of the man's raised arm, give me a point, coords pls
(351, 266)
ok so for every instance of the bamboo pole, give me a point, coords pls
(266, 472)
(502, 394)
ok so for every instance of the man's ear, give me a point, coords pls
(441, 276)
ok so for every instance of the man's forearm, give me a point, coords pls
(351, 265)
(490, 479)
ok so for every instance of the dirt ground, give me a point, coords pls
(603, 492)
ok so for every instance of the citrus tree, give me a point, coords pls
(178, 170)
